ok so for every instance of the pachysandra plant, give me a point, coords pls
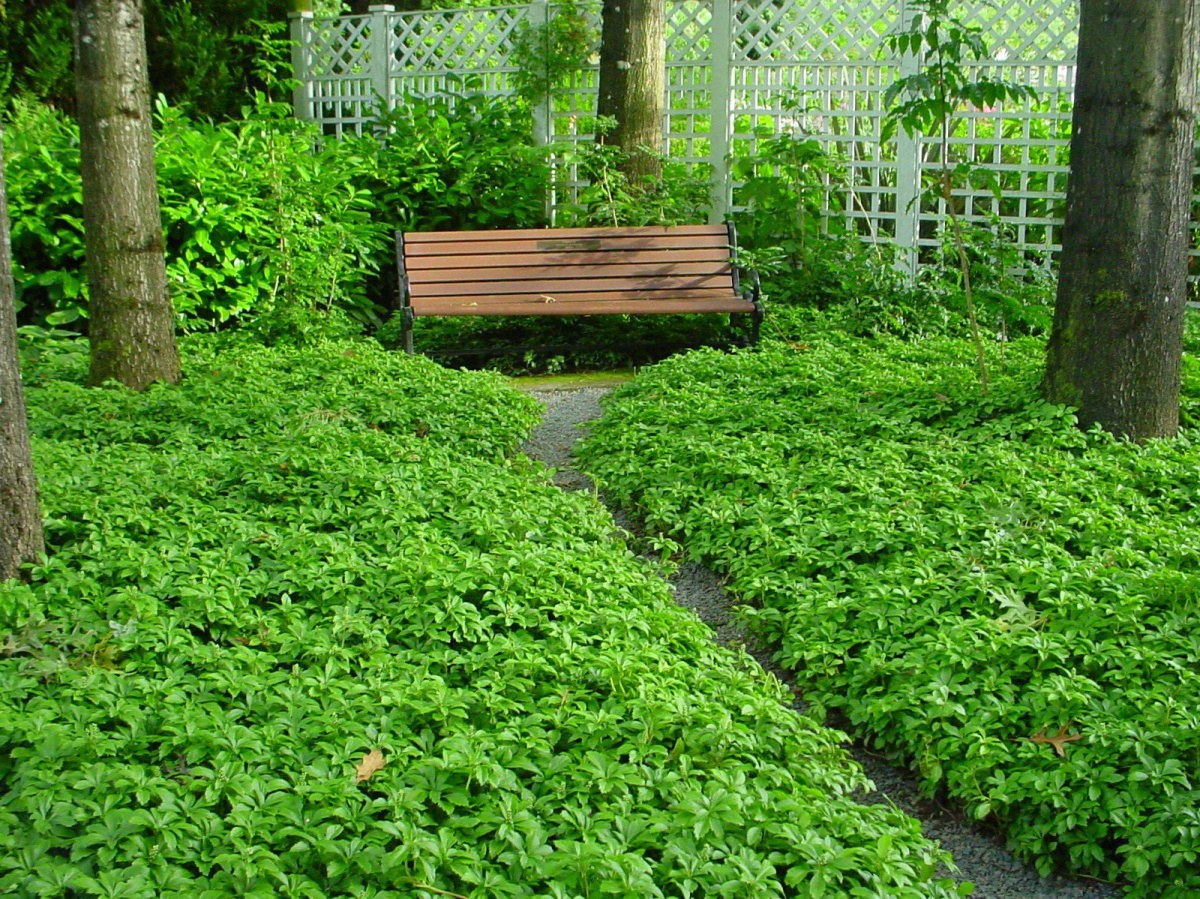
(972, 582)
(308, 626)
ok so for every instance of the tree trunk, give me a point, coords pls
(131, 320)
(1117, 340)
(633, 55)
(20, 520)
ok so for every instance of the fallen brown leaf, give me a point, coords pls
(372, 762)
(1059, 741)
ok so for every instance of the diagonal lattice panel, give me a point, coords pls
(809, 30)
(449, 41)
(689, 30)
(1028, 30)
(339, 47)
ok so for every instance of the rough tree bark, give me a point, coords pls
(633, 54)
(20, 518)
(1117, 339)
(131, 321)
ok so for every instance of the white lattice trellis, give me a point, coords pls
(819, 67)
(810, 31)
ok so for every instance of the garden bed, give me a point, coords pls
(309, 628)
(974, 585)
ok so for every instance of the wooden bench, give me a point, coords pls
(573, 271)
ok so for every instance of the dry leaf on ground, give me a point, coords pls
(371, 763)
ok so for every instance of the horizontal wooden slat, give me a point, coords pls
(575, 271)
(552, 242)
(666, 304)
(555, 233)
(596, 293)
(716, 254)
(566, 286)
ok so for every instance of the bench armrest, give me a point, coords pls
(753, 292)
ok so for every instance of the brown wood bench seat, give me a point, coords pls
(573, 271)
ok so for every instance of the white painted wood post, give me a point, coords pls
(381, 55)
(299, 25)
(721, 121)
(543, 130)
(539, 19)
(908, 169)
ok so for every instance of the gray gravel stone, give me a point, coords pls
(979, 853)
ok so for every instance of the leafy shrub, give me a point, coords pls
(45, 201)
(460, 163)
(203, 56)
(255, 221)
(308, 629)
(258, 223)
(855, 287)
(36, 50)
(1013, 289)
(680, 196)
(795, 224)
(217, 53)
(267, 223)
(858, 285)
(547, 54)
(973, 584)
(790, 190)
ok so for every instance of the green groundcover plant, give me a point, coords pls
(308, 628)
(971, 583)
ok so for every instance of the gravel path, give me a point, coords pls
(980, 855)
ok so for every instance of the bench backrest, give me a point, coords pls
(570, 271)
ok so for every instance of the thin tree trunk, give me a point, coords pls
(633, 82)
(1117, 338)
(131, 320)
(20, 519)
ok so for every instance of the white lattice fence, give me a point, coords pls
(818, 67)
(1034, 43)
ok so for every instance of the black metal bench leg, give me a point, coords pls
(748, 325)
(406, 329)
